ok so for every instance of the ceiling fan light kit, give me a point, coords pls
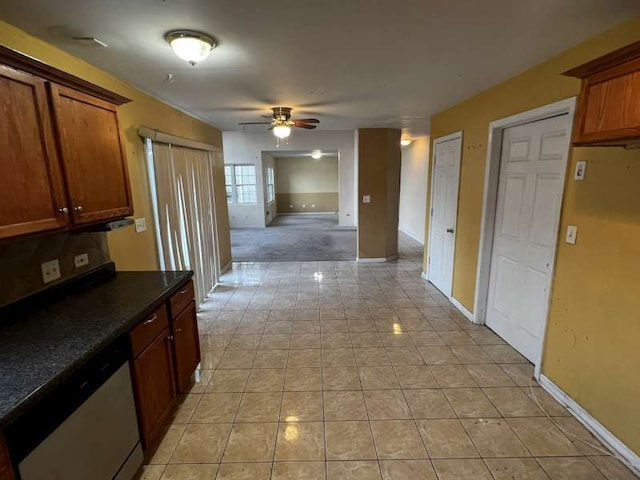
(190, 45)
(405, 142)
(282, 123)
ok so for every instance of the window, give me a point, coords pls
(240, 184)
(271, 185)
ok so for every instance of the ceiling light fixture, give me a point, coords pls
(190, 45)
(405, 142)
(282, 131)
(316, 154)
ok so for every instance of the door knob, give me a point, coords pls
(449, 230)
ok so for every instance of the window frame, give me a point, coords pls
(233, 184)
(271, 184)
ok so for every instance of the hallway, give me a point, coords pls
(295, 238)
(341, 371)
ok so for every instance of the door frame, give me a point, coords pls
(447, 138)
(490, 200)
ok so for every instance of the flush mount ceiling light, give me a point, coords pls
(316, 154)
(282, 131)
(190, 45)
(405, 142)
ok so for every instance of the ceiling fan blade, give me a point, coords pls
(266, 116)
(305, 125)
(255, 123)
(307, 120)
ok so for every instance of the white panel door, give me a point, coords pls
(533, 161)
(444, 212)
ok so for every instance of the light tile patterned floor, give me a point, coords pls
(345, 371)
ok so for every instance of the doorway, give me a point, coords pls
(445, 180)
(524, 186)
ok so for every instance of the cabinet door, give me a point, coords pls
(154, 387)
(31, 188)
(92, 156)
(186, 346)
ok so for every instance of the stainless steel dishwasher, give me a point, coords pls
(85, 429)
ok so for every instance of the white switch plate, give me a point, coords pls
(141, 224)
(572, 233)
(366, 199)
(81, 260)
(581, 169)
(50, 270)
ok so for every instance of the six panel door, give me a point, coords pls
(533, 162)
(31, 190)
(92, 156)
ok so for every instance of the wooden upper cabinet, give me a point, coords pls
(93, 156)
(32, 197)
(609, 105)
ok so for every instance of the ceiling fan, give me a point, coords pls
(281, 122)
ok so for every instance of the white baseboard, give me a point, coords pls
(309, 213)
(412, 236)
(377, 260)
(470, 316)
(631, 459)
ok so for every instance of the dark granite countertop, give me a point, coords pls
(40, 347)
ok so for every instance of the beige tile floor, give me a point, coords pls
(344, 371)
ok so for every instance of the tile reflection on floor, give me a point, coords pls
(345, 371)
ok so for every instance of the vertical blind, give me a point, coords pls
(184, 207)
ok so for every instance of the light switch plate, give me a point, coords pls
(81, 260)
(141, 225)
(50, 270)
(581, 169)
(366, 199)
(572, 234)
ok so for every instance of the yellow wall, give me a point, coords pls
(129, 250)
(593, 331)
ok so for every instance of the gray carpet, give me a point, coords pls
(295, 238)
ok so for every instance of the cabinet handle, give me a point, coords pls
(78, 208)
(178, 330)
(170, 338)
(182, 292)
(151, 319)
(63, 210)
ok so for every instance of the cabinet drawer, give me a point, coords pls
(181, 299)
(143, 334)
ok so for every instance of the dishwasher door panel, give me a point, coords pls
(95, 441)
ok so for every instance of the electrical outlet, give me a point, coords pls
(572, 234)
(581, 169)
(81, 260)
(141, 225)
(50, 270)
(366, 199)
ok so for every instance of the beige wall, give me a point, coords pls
(591, 348)
(307, 185)
(379, 177)
(306, 175)
(129, 250)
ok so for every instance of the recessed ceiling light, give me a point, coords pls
(316, 154)
(405, 142)
(190, 45)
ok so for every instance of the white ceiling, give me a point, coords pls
(351, 63)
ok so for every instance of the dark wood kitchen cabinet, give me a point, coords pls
(32, 195)
(186, 346)
(608, 111)
(6, 469)
(92, 155)
(61, 153)
(153, 377)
